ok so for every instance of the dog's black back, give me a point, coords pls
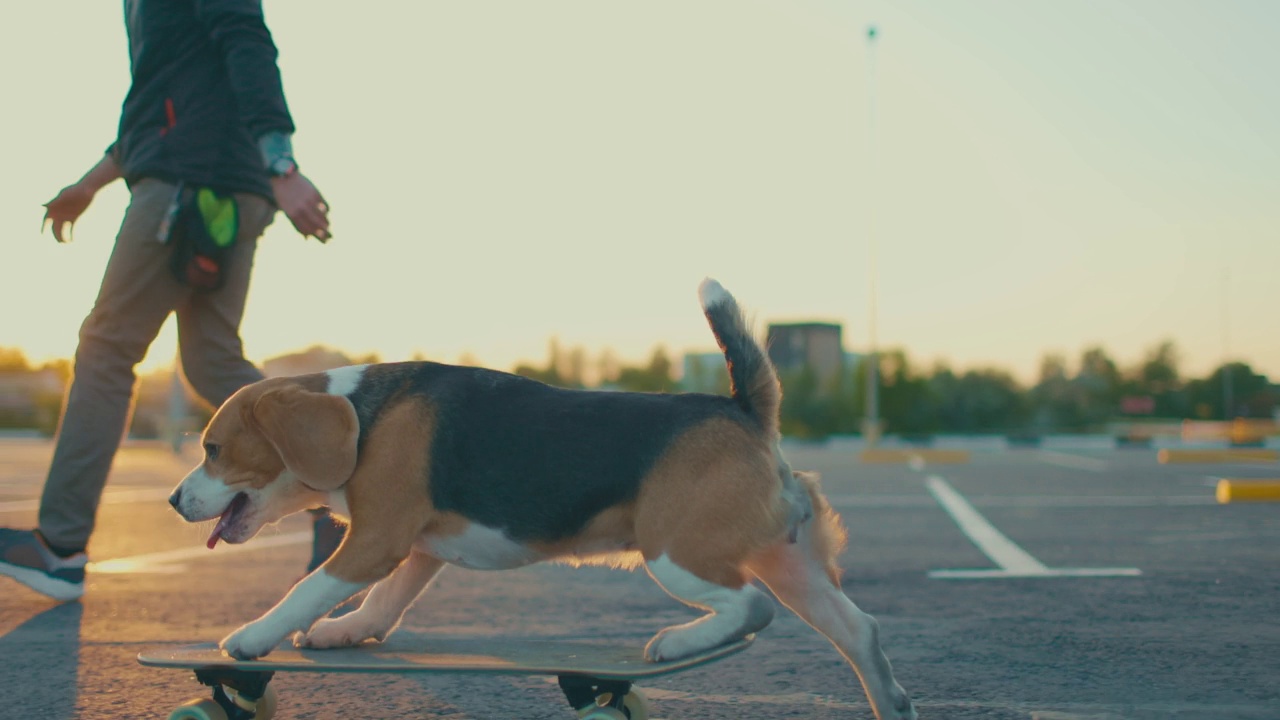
(533, 460)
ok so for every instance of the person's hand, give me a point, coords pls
(302, 204)
(66, 208)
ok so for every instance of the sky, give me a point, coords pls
(1030, 176)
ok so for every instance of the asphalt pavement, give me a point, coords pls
(1026, 584)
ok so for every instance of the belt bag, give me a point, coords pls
(202, 226)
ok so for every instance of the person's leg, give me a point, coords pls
(213, 358)
(137, 294)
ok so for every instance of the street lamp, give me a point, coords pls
(1227, 399)
(871, 423)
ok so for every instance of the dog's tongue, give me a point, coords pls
(225, 519)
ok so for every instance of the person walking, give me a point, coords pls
(204, 144)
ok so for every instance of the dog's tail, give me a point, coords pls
(752, 380)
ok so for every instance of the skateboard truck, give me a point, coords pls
(596, 699)
(237, 695)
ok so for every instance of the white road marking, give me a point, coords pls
(117, 497)
(1013, 560)
(1046, 573)
(1071, 460)
(1027, 501)
(1202, 537)
(170, 561)
(1002, 551)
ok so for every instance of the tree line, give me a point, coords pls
(1086, 396)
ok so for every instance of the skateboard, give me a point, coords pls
(596, 678)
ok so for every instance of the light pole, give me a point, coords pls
(1227, 400)
(871, 423)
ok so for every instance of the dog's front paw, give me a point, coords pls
(671, 644)
(251, 641)
(344, 631)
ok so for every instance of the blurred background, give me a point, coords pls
(1030, 218)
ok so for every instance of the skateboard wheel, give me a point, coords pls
(267, 704)
(204, 709)
(635, 705)
(263, 709)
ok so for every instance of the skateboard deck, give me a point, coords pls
(595, 677)
(409, 652)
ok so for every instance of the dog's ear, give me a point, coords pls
(315, 434)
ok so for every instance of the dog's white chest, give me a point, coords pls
(478, 548)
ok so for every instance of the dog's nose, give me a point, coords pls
(175, 498)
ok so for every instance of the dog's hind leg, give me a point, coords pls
(804, 577)
(381, 610)
(735, 610)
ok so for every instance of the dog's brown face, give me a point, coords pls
(272, 449)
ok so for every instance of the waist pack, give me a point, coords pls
(201, 226)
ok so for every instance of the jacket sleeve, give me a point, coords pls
(239, 31)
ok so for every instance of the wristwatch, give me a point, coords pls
(283, 167)
(277, 154)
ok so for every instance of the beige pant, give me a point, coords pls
(138, 292)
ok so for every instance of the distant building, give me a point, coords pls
(30, 399)
(314, 359)
(21, 389)
(852, 360)
(791, 347)
(817, 346)
(705, 373)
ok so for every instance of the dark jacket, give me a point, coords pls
(205, 88)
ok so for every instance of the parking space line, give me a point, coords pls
(118, 497)
(1076, 462)
(1002, 551)
(170, 561)
(1027, 501)
(1088, 501)
(1014, 562)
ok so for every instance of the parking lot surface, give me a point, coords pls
(1045, 584)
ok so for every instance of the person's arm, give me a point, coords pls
(239, 31)
(71, 202)
(294, 193)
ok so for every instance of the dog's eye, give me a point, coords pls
(211, 450)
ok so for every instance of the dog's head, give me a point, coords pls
(272, 449)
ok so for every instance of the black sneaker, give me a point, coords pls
(25, 558)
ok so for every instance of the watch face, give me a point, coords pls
(283, 166)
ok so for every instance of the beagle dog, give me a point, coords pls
(436, 464)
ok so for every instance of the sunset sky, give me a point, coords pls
(1050, 176)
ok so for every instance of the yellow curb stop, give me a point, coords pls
(1236, 490)
(1224, 455)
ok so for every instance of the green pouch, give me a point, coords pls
(203, 232)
